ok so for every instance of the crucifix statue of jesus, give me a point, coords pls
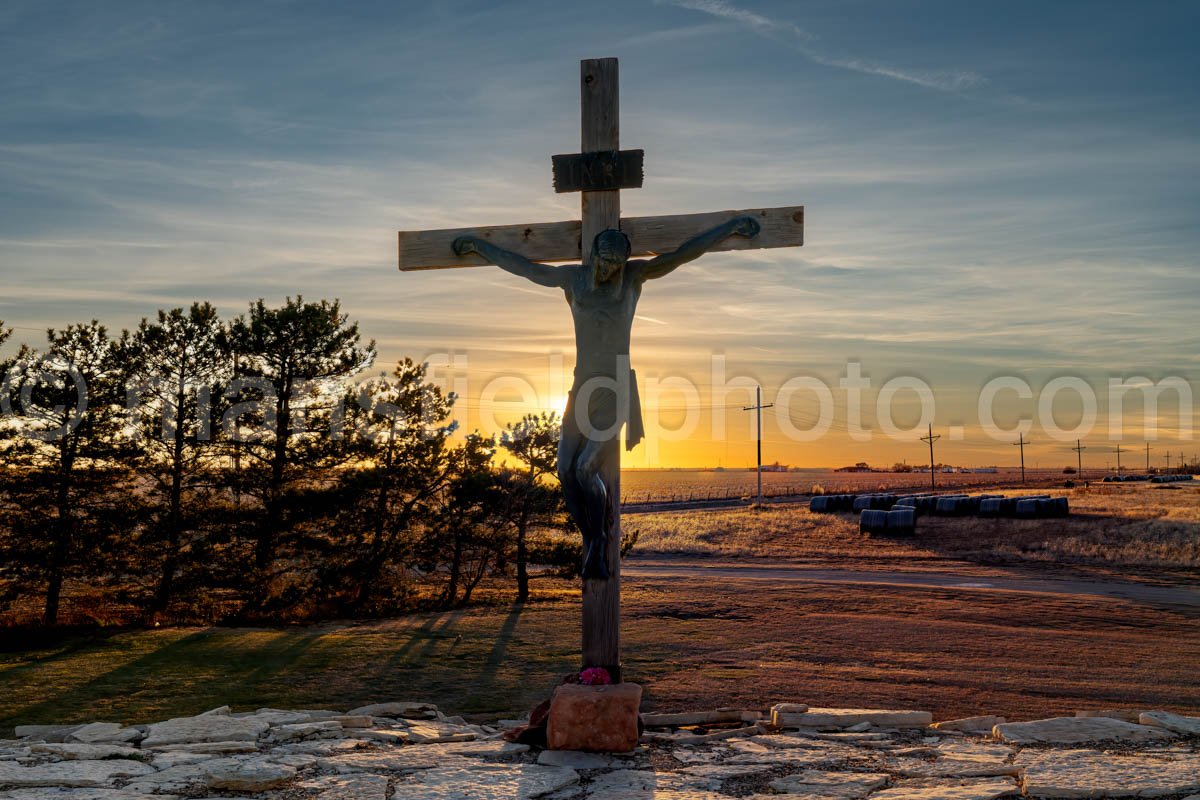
(603, 297)
(602, 289)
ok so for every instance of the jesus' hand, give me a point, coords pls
(747, 226)
(464, 245)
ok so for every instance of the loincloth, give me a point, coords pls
(605, 415)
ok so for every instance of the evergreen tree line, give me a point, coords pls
(197, 469)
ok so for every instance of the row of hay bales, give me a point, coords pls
(1170, 478)
(828, 503)
(958, 505)
(963, 505)
(896, 515)
(899, 521)
(1036, 507)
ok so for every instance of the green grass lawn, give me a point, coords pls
(482, 661)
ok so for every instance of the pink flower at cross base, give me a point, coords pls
(595, 676)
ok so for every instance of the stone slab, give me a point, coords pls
(496, 782)
(842, 785)
(75, 751)
(1077, 730)
(850, 717)
(419, 757)
(82, 794)
(204, 728)
(252, 775)
(970, 724)
(85, 774)
(576, 759)
(103, 733)
(402, 709)
(627, 784)
(348, 787)
(208, 748)
(985, 790)
(713, 717)
(1126, 714)
(1186, 726)
(1090, 773)
(47, 733)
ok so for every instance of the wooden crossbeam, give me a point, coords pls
(561, 241)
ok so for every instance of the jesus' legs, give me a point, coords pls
(580, 471)
(597, 510)
(570, 450)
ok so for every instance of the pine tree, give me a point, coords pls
(400, 427)
(534, 443)
(178, 365)
(294, 364)
(66, 489)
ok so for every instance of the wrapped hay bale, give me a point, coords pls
(873, 522)
(902, 521)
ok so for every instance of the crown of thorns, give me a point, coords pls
(613, 233)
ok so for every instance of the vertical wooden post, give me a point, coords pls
(600, 118)
(600, 130)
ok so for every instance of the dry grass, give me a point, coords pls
(1121, 529)
(699, 644)
(705, 642)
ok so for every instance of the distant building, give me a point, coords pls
(776, 467)
(861, 466)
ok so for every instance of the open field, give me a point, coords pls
(654, 485)
(1122, 529)
(695, 644)
(703, 641)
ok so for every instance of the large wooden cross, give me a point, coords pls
(600, 171)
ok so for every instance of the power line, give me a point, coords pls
(757, 408)
(1079, 448)
(1021, 443)
(932, 472)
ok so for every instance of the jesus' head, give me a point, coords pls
(610, 251)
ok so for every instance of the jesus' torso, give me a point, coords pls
(603, 315)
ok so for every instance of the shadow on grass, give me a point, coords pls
(179, 676)
(487, 683)
(471, 661)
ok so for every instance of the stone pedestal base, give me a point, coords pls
(595, 719)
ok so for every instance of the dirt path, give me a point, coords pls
(1000, 581)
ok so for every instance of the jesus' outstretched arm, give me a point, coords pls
(698, 246)
(510, 262)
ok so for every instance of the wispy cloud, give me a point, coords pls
(757, 22)
(804, 43)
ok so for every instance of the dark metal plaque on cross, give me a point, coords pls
(598, 172)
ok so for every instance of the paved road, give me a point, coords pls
(706, 504)
(1186, 596)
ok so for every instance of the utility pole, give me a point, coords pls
(1021, 443)
(758, 407)
(932, 473)
(1168, 461)
(1079, 448)
(1118, 451)
(1147, 458)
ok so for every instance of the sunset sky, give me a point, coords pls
(1009, 190)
